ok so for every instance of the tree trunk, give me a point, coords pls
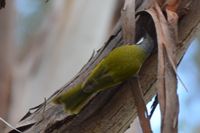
(5, 66)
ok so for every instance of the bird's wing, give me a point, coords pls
(99, 79)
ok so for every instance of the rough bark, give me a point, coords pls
(112, 110)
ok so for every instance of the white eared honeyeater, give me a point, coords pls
(119, 65)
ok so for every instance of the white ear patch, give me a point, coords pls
(140, 41)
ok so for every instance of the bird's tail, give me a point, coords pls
(73, 99)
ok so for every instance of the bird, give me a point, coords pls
(118, 66)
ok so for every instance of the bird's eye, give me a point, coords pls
(140, 41)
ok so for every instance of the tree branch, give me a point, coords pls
(112, 110)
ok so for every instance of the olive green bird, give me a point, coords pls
(119, 65)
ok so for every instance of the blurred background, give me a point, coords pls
(43, 45)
